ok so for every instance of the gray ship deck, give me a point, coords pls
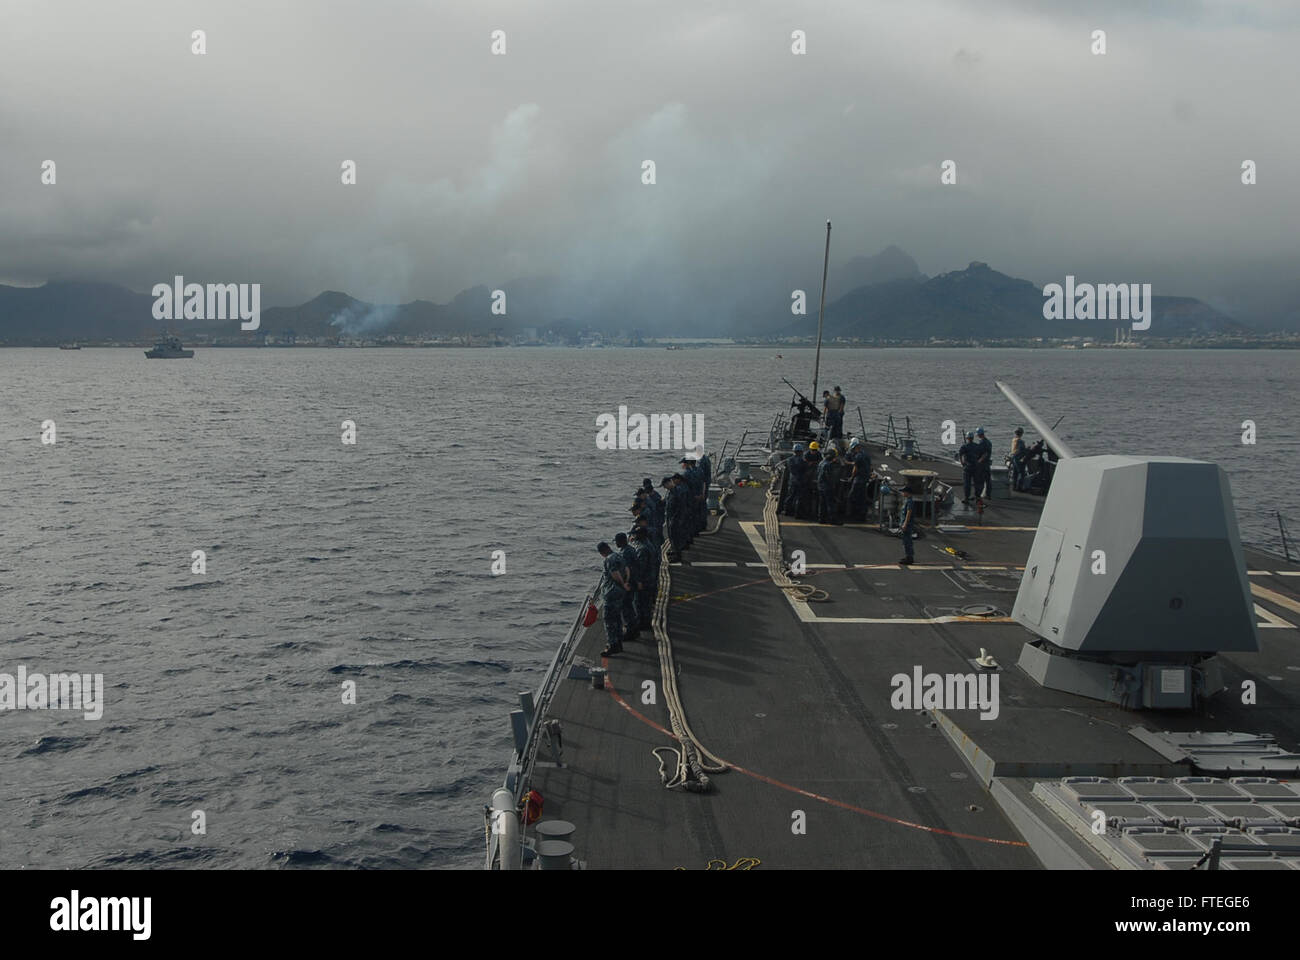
(796, 697)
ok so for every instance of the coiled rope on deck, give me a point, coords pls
(775, 559)
(722, 511)
(691, 760)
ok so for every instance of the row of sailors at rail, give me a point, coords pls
(629, 585)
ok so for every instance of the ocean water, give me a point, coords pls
(371, 563)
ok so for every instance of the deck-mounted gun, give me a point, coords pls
(1135, 580)
(805, 411)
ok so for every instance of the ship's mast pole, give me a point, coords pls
(820, 310)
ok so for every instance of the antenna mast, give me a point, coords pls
(820, 310)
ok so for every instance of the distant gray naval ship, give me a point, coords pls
(1094, 675)
(169, 347)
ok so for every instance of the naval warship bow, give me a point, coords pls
(1095, 675)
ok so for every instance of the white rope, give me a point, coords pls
(776, 567)
(691, 760)
(722, 511)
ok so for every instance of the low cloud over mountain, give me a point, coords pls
(893, 301)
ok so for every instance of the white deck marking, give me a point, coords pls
(805, 612)
(1274, 597)
(814, 523)
(714, 563)
(872, 526)
(1259, 573)
(750, 529)
(912, 620)
(1272, 620)
(1287, 573)
(955, 583)
(931, 566)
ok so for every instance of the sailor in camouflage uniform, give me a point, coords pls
(631, 618)
(808, 504)
(705, 467)
(652, 497)
(827, 482)
(861, 462)
(649, 581)
(673, 514)
(796, 479)
(614, 585)
(643, 513)
(693, 520)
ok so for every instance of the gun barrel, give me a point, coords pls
(1047, 433)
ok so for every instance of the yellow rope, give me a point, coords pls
(744, 863)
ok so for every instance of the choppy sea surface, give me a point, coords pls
(371, 563)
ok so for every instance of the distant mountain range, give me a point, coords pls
(979, 302)
(884, 296)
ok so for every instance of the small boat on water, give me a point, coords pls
(69, 346)
(169, 348)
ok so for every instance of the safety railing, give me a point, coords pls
(890, 434)
(527, 724)
(1272, 532)
(898, 437)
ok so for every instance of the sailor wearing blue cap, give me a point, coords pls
(907, 524)
(967, 455)
(649, 584)
(631, 616)
(656, 505)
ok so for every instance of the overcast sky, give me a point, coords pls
(474, 168)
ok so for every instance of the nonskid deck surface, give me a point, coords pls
(797, 698)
